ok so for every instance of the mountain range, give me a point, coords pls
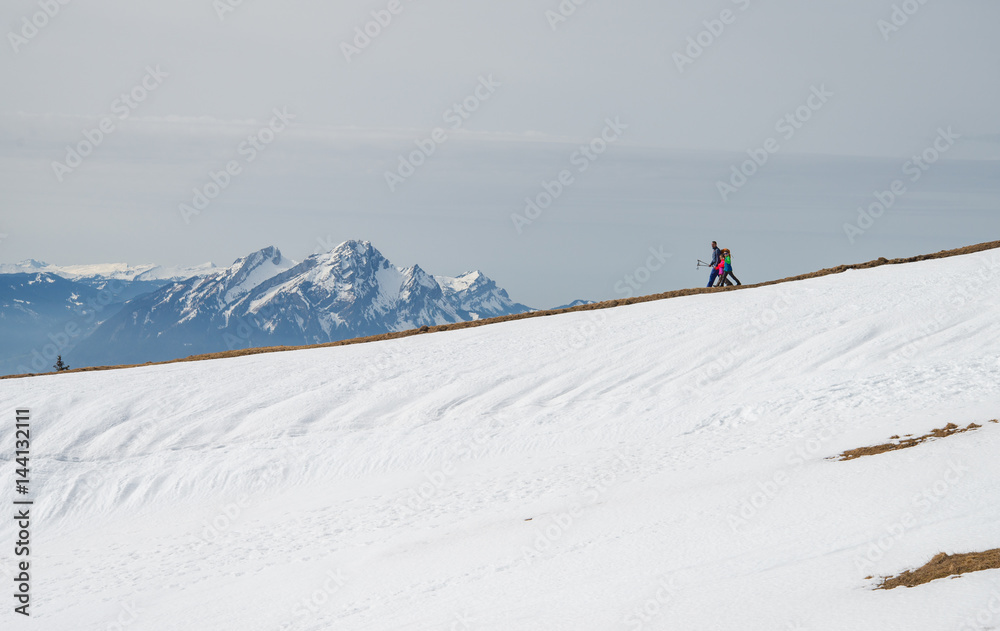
(262, 299)
(45, 310)
(129, 280)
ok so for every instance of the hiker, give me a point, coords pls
(716, 257)
(727, 269)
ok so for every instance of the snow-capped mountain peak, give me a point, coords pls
(250, 271)
(355, 247)
(264, 299)
(416, 276)
(358, 256)
(462, 282)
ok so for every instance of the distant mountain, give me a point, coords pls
(119, 271)
(265, 299)
(43, 315)
(575, 303)
(123, 280)
(26, 266)
(47, 310)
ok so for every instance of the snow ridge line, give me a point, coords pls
(608, 304)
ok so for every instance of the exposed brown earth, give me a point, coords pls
(944, 565)
(904, 443)
(972, 249)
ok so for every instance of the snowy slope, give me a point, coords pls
(671, 458)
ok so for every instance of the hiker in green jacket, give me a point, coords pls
(727, 270)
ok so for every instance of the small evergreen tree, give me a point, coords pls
(60, 366)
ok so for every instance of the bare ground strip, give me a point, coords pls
(944, 565)
(906, 442)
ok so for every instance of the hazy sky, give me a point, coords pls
(516, 91)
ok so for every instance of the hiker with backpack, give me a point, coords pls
(716, 257)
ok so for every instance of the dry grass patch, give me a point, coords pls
(972, 249)
(944, 565)
(904, 443)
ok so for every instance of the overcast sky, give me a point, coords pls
(867, 90)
